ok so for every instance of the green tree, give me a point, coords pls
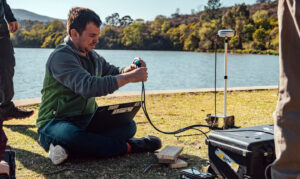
(54, 34)
(110, 38)
(236, 18)
(228, 20)
(273, 39)
(176, 14)
(261, 19)
(247, 31)
(192, 42)
(56, 26)
(259, 37)
(178, 35)
(191, 38)
(165, 26)
(212, 10)
(234, 42)
(125, 21)
(135, 35)
(213, 4)
(53, 40)
(113, 19)
(32, 38)
(156, 25)
(207, 34)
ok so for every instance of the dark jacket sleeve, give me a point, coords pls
(109, 69)
(9, 16)
(66, 69)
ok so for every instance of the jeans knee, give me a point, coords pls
(132, 128)
(43, 141)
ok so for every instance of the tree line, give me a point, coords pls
(258, 31)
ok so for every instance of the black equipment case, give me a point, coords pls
(241, 153)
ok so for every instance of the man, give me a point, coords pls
(75, 75)
(7, 63)
(287, 115)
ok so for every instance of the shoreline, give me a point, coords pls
(234, 51)
(35, 101)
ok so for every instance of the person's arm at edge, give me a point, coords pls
(9, 16)
(294, 8)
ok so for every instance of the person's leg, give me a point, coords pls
(78, 142)
(287, 115)
(7, 61)
(6, 87)
(3, 140)
(123, 133)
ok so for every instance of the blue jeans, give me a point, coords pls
(79, 143)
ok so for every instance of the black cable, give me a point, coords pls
(188, 135)
(204, 133)
(215, 118)
(267, 170)
(143, 105)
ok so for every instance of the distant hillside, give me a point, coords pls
(21, 14)
(271, 7)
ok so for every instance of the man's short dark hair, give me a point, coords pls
(79, 17)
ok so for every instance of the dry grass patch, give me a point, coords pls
(168, 113)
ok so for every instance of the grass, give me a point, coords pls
(168, 112)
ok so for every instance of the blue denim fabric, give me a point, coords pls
(80, 143)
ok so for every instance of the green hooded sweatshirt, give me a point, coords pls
(72, 81)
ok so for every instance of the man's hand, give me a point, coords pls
(4, 168)
(136, 75)
(13, 26)
(133, 66)
(130, 68)
(142, 62)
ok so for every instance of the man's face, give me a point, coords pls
(88, 39)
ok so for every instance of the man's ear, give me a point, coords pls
(74, 33)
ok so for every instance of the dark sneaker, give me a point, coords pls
(145, 144)
(15, 112)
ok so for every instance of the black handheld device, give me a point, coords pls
(193, 173)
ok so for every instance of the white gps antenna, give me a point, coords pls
(226, 33)
(228, 119)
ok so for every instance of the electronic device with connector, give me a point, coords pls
(241, 153)
(226, 33)
(213, 119)
(193, 173)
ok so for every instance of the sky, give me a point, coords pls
(144, 9)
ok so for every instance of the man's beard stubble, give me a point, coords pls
(83, 50)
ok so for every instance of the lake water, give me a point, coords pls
(167, 70)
